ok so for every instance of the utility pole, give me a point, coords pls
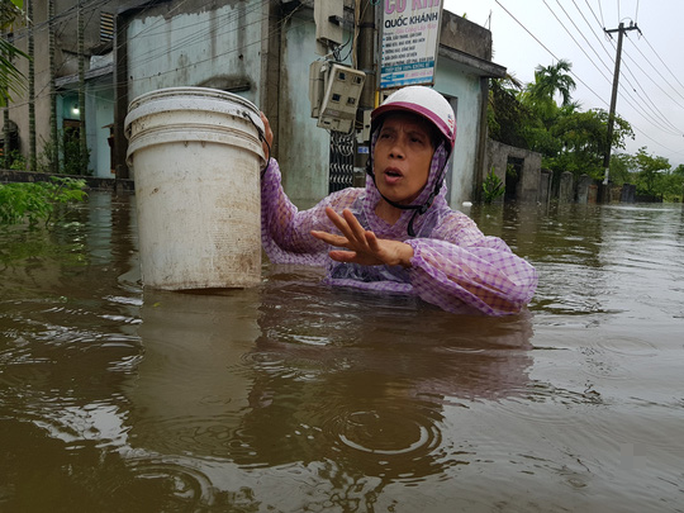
(53, 158)
(33, 165)
(366, 63)
(613, 99)
(83, 145)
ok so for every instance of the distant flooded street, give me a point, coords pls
(293, 396)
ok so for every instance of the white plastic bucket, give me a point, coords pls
(196, 156)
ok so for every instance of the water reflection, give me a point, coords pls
(349, 386)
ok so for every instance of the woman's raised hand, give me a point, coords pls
(362, 246)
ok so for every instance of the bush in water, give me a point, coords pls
(38, 201)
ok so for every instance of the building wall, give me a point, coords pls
(465, 36)
(99, 95)
(465, 87)
(528, 188)
(101, 111)
(304, 149)
(213, 45)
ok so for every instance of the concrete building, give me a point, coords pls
(259, 49)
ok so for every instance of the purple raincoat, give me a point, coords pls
(454, 265)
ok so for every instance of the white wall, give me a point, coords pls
(100, 111)
(454, 82)
(188, 49)
(304, 148)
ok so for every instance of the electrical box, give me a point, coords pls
(340, 100)
(328, 16)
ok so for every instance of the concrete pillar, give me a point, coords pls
(566, 190)
(593, 196)
(545, 186)
(628, 193)
(583, 189)
(528, 185)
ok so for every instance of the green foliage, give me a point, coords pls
(568, 138)
(16, 161)
(507, 117)
(651, 173)
(75, 162)
(549, 81)
(621, 168)
(492, 187)
(38, 201)
(69, 147)
(11, 79)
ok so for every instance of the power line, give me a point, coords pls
(193, 40)
(235, 49)
(547, 49)
(647, 99)
(603, 23)
(656, 83)
(194, 37)
(575, 40)
(677, 152)
(662, 62)
(601, 43)
(637, 105)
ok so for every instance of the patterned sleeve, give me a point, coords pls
(286, 231)
(462, 265)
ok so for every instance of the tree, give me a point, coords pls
(651, 172)
(674, 184)
(621, 168)
(506, 116)
(583, 137)
(568, 138)
(548, 82)
(11, 79)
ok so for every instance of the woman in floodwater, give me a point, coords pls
(398, 234)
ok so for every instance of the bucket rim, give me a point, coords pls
(193, 91)
(171, 99)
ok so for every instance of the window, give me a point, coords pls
(106, 27)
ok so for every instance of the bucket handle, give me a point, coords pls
(262, 138)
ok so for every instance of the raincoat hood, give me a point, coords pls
(435, 109)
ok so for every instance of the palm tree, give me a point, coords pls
(549, 80)
(11, 79)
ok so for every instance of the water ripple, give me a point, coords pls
(401, 442)
(167, 485)
(385, 433)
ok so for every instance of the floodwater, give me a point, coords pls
(296, 397)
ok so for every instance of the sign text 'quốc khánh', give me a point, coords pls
(410, 38)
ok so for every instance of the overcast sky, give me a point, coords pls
(651, 95)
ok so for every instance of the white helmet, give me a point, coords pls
(425, 102)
